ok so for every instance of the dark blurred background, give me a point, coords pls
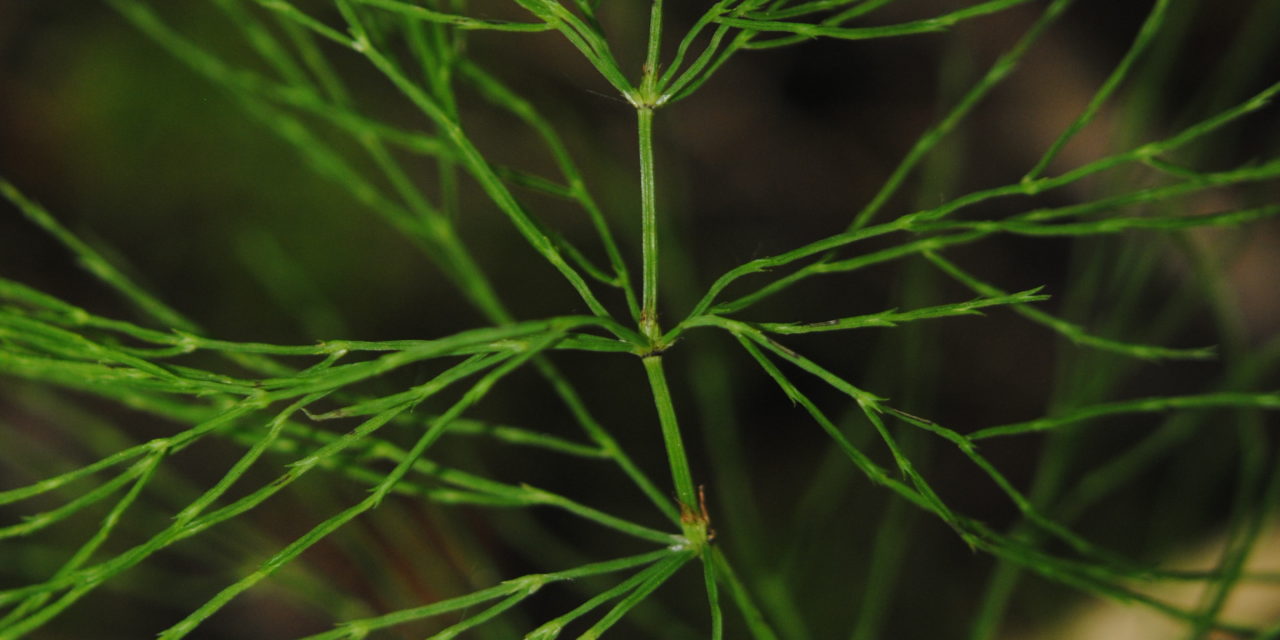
(156, 165)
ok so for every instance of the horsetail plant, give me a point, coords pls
(133, 510)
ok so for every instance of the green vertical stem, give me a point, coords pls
(648, 227)
(671, 435)
(648, 218)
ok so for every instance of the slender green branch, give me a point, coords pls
(459, 265)
(1028, 224)
(826, 30)
(526, 437)
(607, 442)
(417, 12)
(180, 342)
(529, 583)
(663, 570)
(756, 624)
(474, 161)
(1225, 399)
(765, 264)
(586, 38)
(1144, 38)
(577, 187)
(94, 262)
(713, 597)
(55, 482)
(551, 629)
(874, 472)
(892, 317)
(690, 36)
(35, 522)
(783, 11)
(470, 488)
(1265, 171)
(291, 13)
(712, 58)
(824, 266)
(1069, 330)
(650, 74)
(320, 531)
(1003, 66)
(90, 546)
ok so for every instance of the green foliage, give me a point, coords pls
(273, 402)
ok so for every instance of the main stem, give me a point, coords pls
(648, 228)
(691, 516)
